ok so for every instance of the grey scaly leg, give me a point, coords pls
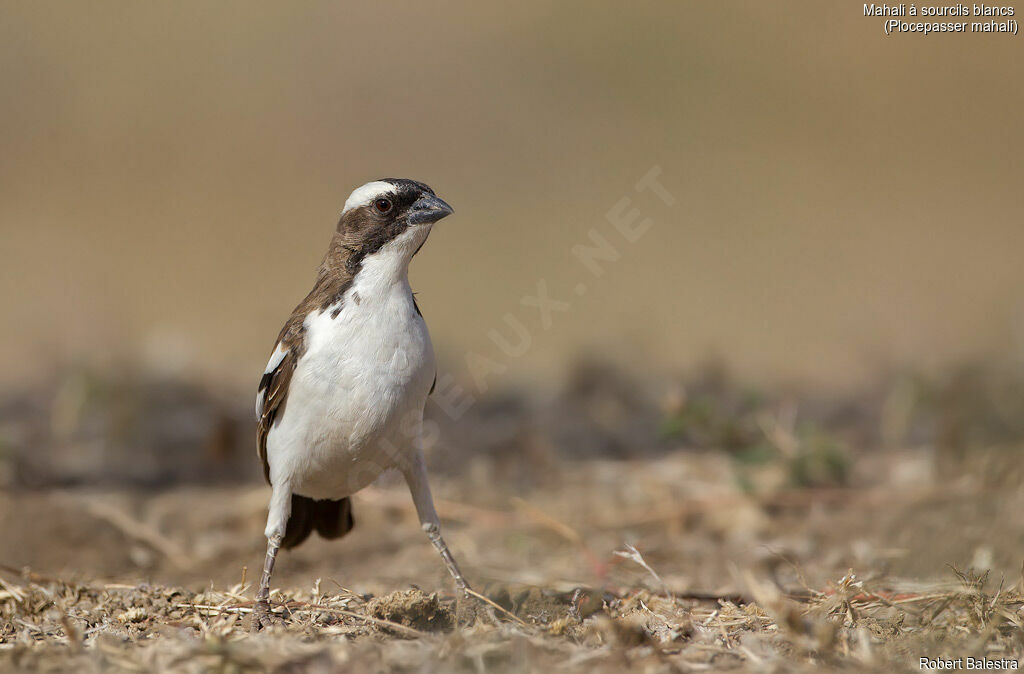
(261, 616)
(416, 476)
(277, 521)
(433, 532)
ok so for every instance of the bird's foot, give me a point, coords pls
(471, 606)
(467, 606)
(262, 617)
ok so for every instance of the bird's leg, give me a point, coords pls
(277, 521)
(261, 611)
(433, 531)
(416, 476)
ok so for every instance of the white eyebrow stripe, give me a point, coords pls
(363, 195)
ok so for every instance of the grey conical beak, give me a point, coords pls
(428, 208)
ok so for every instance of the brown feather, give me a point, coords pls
(332, 281)
(360, 232)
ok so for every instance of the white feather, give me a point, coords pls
(364, 194)
(355, 401)
(275, 359)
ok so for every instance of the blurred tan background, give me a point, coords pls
(812, 363)
(170, 175)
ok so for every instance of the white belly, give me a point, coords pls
(356, 399)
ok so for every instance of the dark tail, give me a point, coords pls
(330, 519)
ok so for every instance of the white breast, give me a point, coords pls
(356, 398)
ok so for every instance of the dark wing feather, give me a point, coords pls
(416, 306)
(274, 388)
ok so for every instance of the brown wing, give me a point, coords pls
(416, 306)
(331, 283)
(272, 395)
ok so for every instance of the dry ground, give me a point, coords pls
(735, 537)
(717, 578)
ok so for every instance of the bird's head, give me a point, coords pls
(392, 216)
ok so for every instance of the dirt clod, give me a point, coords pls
(413, 608)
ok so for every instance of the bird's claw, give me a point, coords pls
(262, 617)
(466, 605)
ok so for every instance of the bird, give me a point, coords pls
(341, 400)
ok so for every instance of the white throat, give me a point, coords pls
(388, 268)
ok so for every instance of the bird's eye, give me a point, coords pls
(382, 205)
